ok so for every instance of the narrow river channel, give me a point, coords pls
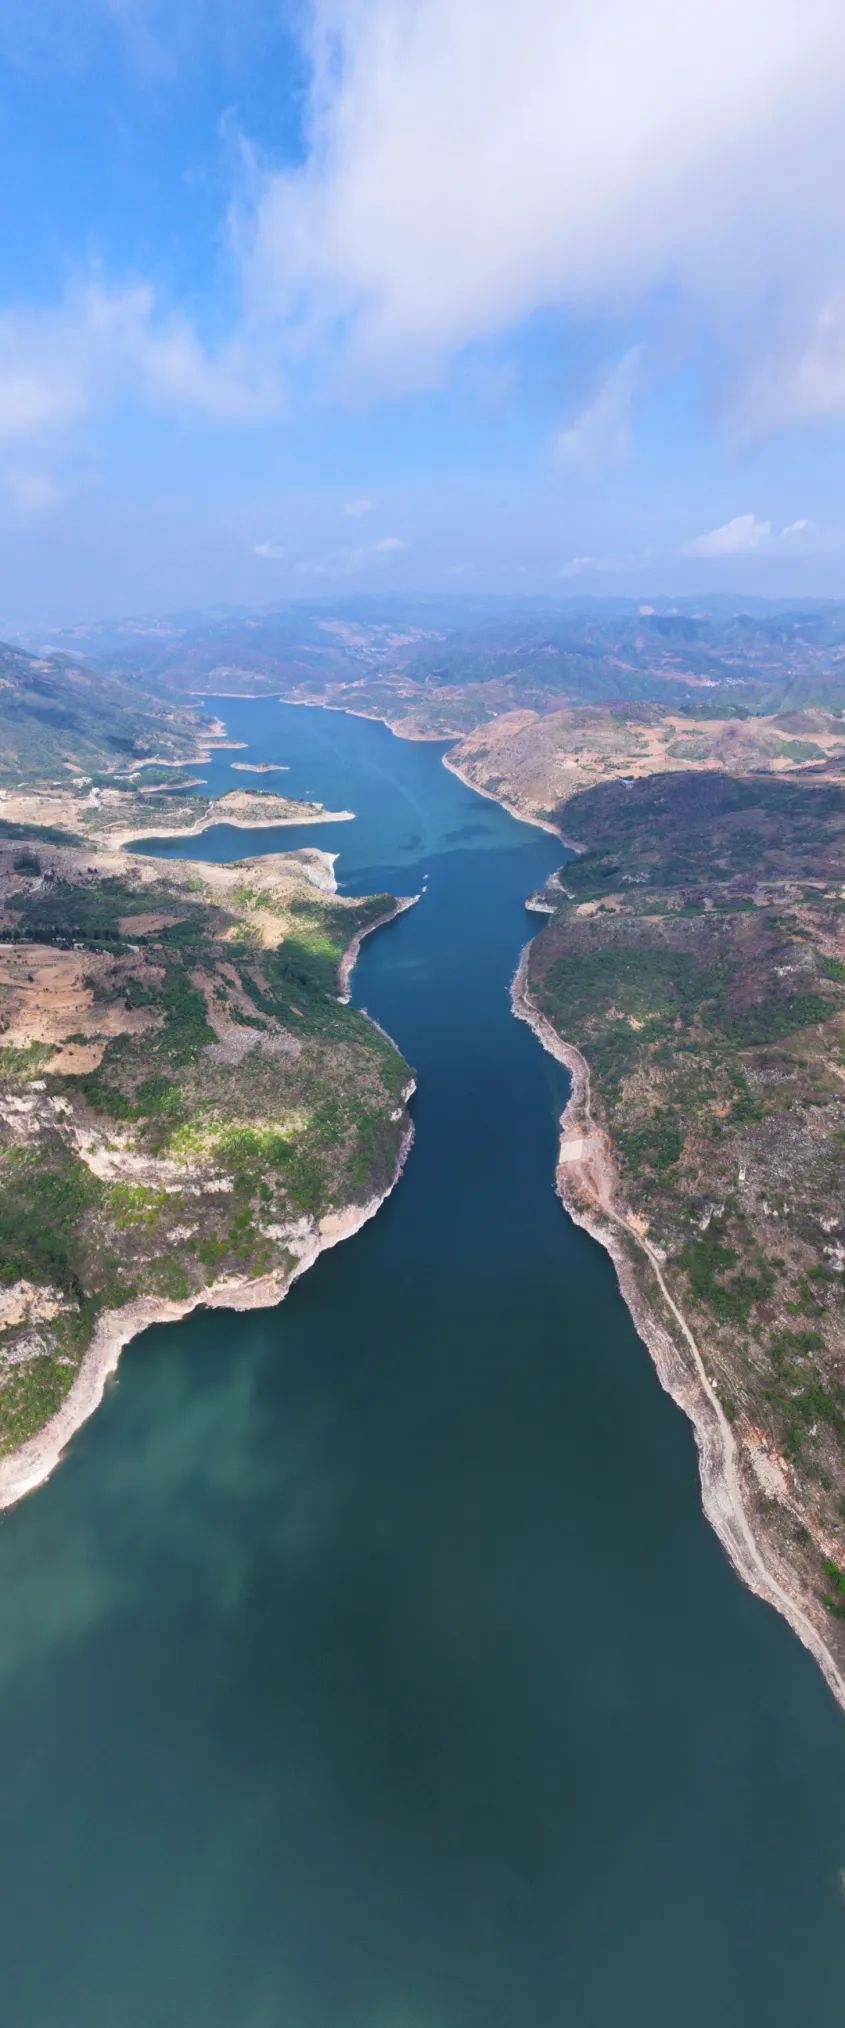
(368, 1662)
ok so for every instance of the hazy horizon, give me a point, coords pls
(479, 603)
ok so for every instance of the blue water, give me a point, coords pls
(368, 1662)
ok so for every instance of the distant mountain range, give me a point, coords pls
(461, 661)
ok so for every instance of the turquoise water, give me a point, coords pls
(368, 1662)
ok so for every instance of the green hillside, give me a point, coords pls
(57, 716)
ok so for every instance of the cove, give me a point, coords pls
(368, 1662)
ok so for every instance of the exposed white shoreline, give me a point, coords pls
(537, 823)
(319, 704)
(118, 839)
(375, 718)
(350, 956)
(679, 1365)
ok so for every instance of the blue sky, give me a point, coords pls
(348, 295)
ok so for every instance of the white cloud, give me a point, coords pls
(271, 551)
(467, 164)
(388, 544)
(601, 434)
(743, 534)
(578, 566)
(593, 566)
(470, 162)
(734, 538)
(59, 362)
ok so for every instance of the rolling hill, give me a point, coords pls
(57, 715)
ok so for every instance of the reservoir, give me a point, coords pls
(368, 1662)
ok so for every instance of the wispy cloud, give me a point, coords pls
(365, 555)
(600, 435)
(355, 509)
(798, 373)
(272, 552)
(59, 362)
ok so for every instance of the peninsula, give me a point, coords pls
(189, 1110)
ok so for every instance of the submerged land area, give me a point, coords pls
(189, 1110)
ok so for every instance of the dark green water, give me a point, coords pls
(368, 1663)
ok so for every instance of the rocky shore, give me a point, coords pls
(588, 1186)
(350, 955)
(522, 816)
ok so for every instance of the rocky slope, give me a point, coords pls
(535, 762)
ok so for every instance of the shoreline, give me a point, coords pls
(681, 1372)
(350, 956)
(23, 1470)
(537, 823)
(373, 718)
(119, 839)
(320, 704)
(27, 1467)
